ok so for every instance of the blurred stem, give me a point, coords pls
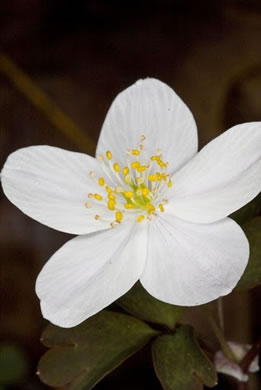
(220, 314)
(221, 338)
(40, 100)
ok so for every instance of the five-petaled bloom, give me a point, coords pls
(148, 207)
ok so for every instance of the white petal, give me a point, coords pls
(227, 367)
(150, 108)
(221, 178)
(51, 185)
(90, 272)
(191, 264)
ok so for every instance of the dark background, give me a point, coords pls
(82, 54)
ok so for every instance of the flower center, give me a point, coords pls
(139, 187)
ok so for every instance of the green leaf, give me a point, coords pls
(249, 211)
(179, 362)
(141, 304)
(81, 356)
(252, 274)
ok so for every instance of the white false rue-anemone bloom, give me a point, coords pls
(228, 367)
(149, 207)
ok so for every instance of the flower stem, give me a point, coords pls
(249, 357)
(40, 100)
(220, 313)
(222, 341)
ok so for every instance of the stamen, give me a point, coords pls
(128, 194)
(90, 195)
(118, 216)
(87, 205)
(135, 152)
(152, 177)
(101, 181)
(135, 164)
(111, 205)
(108, 155)
(97, 217)
(100, 157)
(140, 218)
(128, 206)
(169, 183)
(98, 196)
(116, 167)
(125, 171)
(161, 207)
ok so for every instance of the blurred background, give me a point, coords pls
(81, 54)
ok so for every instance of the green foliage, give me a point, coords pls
(81, 356)
(141, 304)
(179, 362)
(249, 211)
(13, 364)
(252, 274)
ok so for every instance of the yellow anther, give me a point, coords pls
(142, 138)
(140, 218)
(159, 176)
(150, 208)
(92, 174)
(98, 196)
(101, 181)
(111, 197)
(152, 177)
(135, 152)
(161, 207)
(118, 216)
(155, 158)
(128, 194)
(108, 155)
(128, 206)
(162, 164)
(111, 205)
(145, 191)
(116, 167)
(135, 164)
(141, 168)
(125, 171)
(97, 217)
(169, 183)
(90, 195)
(108, 189)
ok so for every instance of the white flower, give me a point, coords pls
(225, 366)
(148, 208)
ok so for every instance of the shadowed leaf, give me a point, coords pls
(179, 362)
(141, 304)
(249, 211)
(252, 274)
(83, 355)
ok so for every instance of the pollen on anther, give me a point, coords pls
(169, 183)
(128, 194)
(98, 196)
(128, 206)
(108, 155)
(135, 164)
(111, 205)
(118, 216)
(161, 207)
(125, 171)
(97, 217)
(116, 167)
(140, 218)
(135, 152)
(101, 181)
